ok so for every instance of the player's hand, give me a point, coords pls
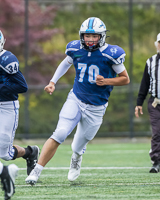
(100, 80)
(50, 88)
(137, 110)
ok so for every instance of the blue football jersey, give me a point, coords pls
(90, 64)
(12, 81)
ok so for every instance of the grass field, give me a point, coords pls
(109, 171)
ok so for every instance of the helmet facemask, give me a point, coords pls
(92, 47)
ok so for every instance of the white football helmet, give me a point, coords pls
(95, 26)
(2, 41)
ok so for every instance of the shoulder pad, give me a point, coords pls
(72, 46)
(115, 53)
(9, 63)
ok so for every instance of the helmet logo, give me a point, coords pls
(74, 42)
(113, 51)
(102, 24)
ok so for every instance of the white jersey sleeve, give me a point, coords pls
(62, 69)
(118, 68)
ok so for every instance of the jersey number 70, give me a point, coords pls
(93, 71)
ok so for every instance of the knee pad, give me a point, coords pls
(59, 135)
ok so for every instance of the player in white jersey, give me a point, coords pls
(96, 64)
(12, 82)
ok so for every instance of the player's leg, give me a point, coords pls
(86, 130)
(48, 151)
(69, 116)
(68, 119)
(8, 175)
(79, 147)
(9, 114)
(8, 125)
(30, 154)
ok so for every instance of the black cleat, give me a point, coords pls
(155, 167)
(32, 159)
(8, 176)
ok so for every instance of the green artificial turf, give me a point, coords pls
(109, 171)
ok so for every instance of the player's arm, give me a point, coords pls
(16, 84)
(14, 81)
(60, 71)
(143, 91)
(121, 79)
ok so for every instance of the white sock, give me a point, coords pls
(40, 167)
(76, 155)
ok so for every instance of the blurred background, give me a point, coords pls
(37, 32)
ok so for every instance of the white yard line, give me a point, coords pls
(108, 184)
(113, 152)
(89, 168)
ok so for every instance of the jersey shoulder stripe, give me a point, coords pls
(114, 53)
(9, 62)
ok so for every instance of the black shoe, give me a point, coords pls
(8, 179)
(32, 159)
(155, 168)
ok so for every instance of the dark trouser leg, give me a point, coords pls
(155, 123)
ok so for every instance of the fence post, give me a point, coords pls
(26, 47)
(131, 110)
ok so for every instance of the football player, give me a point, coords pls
(97, 65)
(12, 82)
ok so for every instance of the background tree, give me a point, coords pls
(41, 20)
